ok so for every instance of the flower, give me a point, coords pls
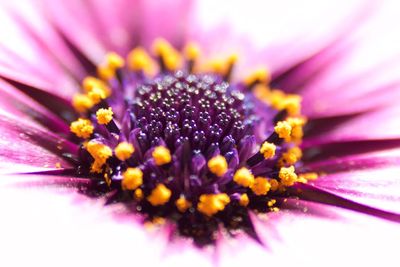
(258, 163)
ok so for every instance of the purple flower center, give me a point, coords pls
(188, 146)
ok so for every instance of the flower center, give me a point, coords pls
(177, 141)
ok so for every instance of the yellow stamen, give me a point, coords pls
(114, 61)
(160, 195)
(268, 150)
(139, 60)
(107, 179)
(100, 154)
(218, 165)
(259, 76)
(82, 128)
(210, 204)
(91, 82)
(297, 124)
(82, 102)
(261, 186)
(161, 155)
(182, 204)
(170, 57)
(244, 200)
(96, 95)
(132, 179)
(105, 73)
(124, 151)
(292, 104)
(309, 176)
(290, 157)
(271, 202)
(274, 184)
(138, 194)
(104, 116)
(191, 51)
(288, 176)
(244, 177)
(283, 129)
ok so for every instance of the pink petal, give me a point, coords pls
(26, 148)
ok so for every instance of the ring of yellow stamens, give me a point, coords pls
(104, 116)
(159, 195)
(268, 150)
(218, 165)
(100, 154)
(82, 128)
(244, 200)
(288, 176)
(243, 177)
(274, 184)
(182, 204)
(210, 204)
(132, 179)
(124, 151)
(161, 155)
(261, 186)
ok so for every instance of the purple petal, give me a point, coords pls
(26, 148)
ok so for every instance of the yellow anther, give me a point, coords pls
(170, 57)
(100, 154)
(82, 102)
(132, 179)
(244, 200)
(271, 202)
(114, 61)
(277, 99)
(218, 66)
(161, 155)
(292, 104)
(107, 179)
(244, 177)
(91, 82)
(290, 157)
(124, 151)
(283, 129)
(160, 195)
(139, 60)
(210, 204)
(105, 73)
(96, 95)
(218, 165)
(104, 116)
(138, 194)
(309, 176)
(288, 176)
(261, 186)
(82, 128)
(268, 150)
(182, 204)
(233, 58)
(274, 184)
(297, 124)
(191, 51)
(259, 76)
